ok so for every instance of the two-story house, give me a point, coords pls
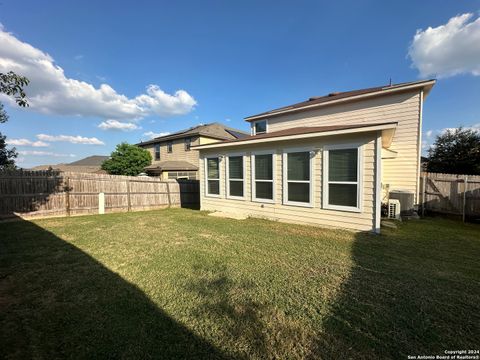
(324, 161)
(172, 155)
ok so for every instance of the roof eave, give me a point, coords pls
(426, 85)
(388, 131)
(176, 137)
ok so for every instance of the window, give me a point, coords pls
(342, 177)
(297, 178)
(191, 175)
(212, 172)
(262, 177)
(157, 151)
(169, 146)
(259, 127)
(188, 144)
(235, 181)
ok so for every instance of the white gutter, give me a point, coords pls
(297, 137)
(387, 90)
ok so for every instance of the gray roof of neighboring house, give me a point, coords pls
(212, 130)
(89, 164)
(169, 165)
(94, 160)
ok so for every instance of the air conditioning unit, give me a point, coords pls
(393, 209)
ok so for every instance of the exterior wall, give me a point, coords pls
(401, 172)
(205, 140)
(178, 151)
(364, 220)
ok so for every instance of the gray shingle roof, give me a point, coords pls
(213, 130)
(169, 165)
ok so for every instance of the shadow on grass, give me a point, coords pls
(409, 293)
(241, 318)
(56, 302)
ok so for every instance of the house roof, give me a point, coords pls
(335, 97)
(90, 164)
(172, 166)
(94, 160)
(212, 130)
(308, 132)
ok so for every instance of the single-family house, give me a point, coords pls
(172, 155)
(328, 161)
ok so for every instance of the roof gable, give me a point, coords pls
(343, 96)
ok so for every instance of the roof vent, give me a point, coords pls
(334, 93)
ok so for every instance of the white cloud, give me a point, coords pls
(475, 127)
(51, 92)
(71, 139)
(152, 134)
(448, 50)
(26, 142)
(44, 153)
(78, 57)
(429, 134)
(117, 125)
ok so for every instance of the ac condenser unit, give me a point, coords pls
(393, 209)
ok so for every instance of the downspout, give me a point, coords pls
(419, 149)
(378, 182)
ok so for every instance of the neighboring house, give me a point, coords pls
(322, 161)
(90, 164)
(172, 156)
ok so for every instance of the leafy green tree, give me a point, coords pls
(456, 151)
(127, 160)
(13, 85)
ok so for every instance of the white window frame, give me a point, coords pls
(253, 126)
(359, 181)
(253, 180)
(219, 175)
(227, 176)
(312, 152)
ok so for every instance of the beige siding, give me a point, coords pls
(296, 214)
(178, 153)
(206, 140)
(404, 108)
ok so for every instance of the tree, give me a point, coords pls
(13, 85)
(456, 151)
(127, 160)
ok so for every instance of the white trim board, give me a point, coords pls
(390, 126)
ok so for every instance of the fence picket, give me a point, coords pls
(52, 193)
(451, 194)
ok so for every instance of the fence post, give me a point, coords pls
(168, 193)
(101, 203)
(129, 204)
(465, 183)
(67, 195)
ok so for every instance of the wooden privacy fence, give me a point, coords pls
(53, 193)
(451, 194)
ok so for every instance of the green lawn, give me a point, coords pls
(180, 284)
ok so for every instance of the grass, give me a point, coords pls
(180, 284)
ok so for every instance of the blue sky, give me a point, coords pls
(231, 59)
